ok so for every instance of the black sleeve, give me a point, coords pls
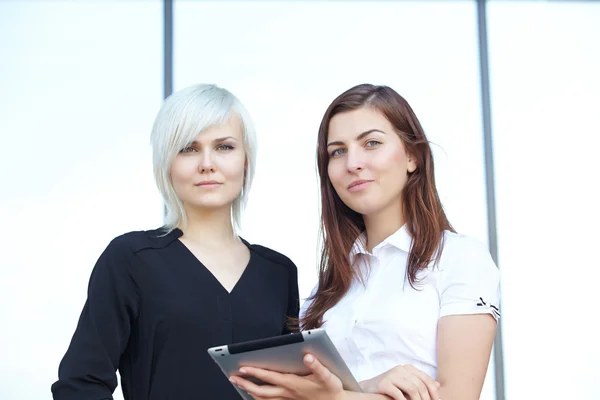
(88, 369)
(293, 301)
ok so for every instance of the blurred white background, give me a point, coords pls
(81, 82)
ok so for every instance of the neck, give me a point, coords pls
(210, 228)
(382, 224)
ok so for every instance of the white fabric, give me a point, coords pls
(387, 323)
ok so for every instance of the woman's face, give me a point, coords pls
(368, 164)
(209, 173)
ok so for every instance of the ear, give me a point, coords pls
(411, 164)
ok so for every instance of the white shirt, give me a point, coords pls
(387, 323)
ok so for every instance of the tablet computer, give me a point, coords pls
(283, 354)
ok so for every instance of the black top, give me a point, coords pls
(153, 310)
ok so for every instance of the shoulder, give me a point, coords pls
(464, 256)
(119, 256)
(458, 248)
(273, 256)
(136, 241)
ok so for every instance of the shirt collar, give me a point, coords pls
(400, 239)
(359, 246)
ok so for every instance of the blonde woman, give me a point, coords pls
(158, 299)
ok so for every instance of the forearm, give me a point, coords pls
(364, 396)
(450, 392)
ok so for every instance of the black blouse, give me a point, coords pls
(152, 312)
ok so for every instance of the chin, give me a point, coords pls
(212, 204)
(365, 208)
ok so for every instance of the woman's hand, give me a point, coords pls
(321, 384)
(403, 382)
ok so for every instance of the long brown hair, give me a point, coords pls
(341, 226)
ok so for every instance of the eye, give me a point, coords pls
(337, 152)
(373, 143)
(225, 147)
(188, 149)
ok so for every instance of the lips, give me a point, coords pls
(358, 182)
(207, 183)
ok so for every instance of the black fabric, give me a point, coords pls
(152, 312)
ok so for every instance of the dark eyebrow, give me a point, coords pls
(362, 135)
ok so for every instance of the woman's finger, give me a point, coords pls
(421, 387)
(256, 391)
(390, 390)
(261, 398)
(267, 398)
(272, 377)
(408, 387)
(432, 385)
(323, 374)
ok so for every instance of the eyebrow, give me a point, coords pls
(362, 135)
(218, 140)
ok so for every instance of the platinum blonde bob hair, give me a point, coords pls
(183, 116)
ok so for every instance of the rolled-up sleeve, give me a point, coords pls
(470, 280)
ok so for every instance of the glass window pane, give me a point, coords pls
(288, 60)
(81, 83)
(544, 63)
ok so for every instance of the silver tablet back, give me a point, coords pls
(283, 354)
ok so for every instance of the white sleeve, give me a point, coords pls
(470, 280)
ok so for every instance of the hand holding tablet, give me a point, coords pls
(320, 384)
(281, 361)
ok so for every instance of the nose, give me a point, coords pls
(354, 161)
(206, 164)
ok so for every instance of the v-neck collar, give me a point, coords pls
(178, 233)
